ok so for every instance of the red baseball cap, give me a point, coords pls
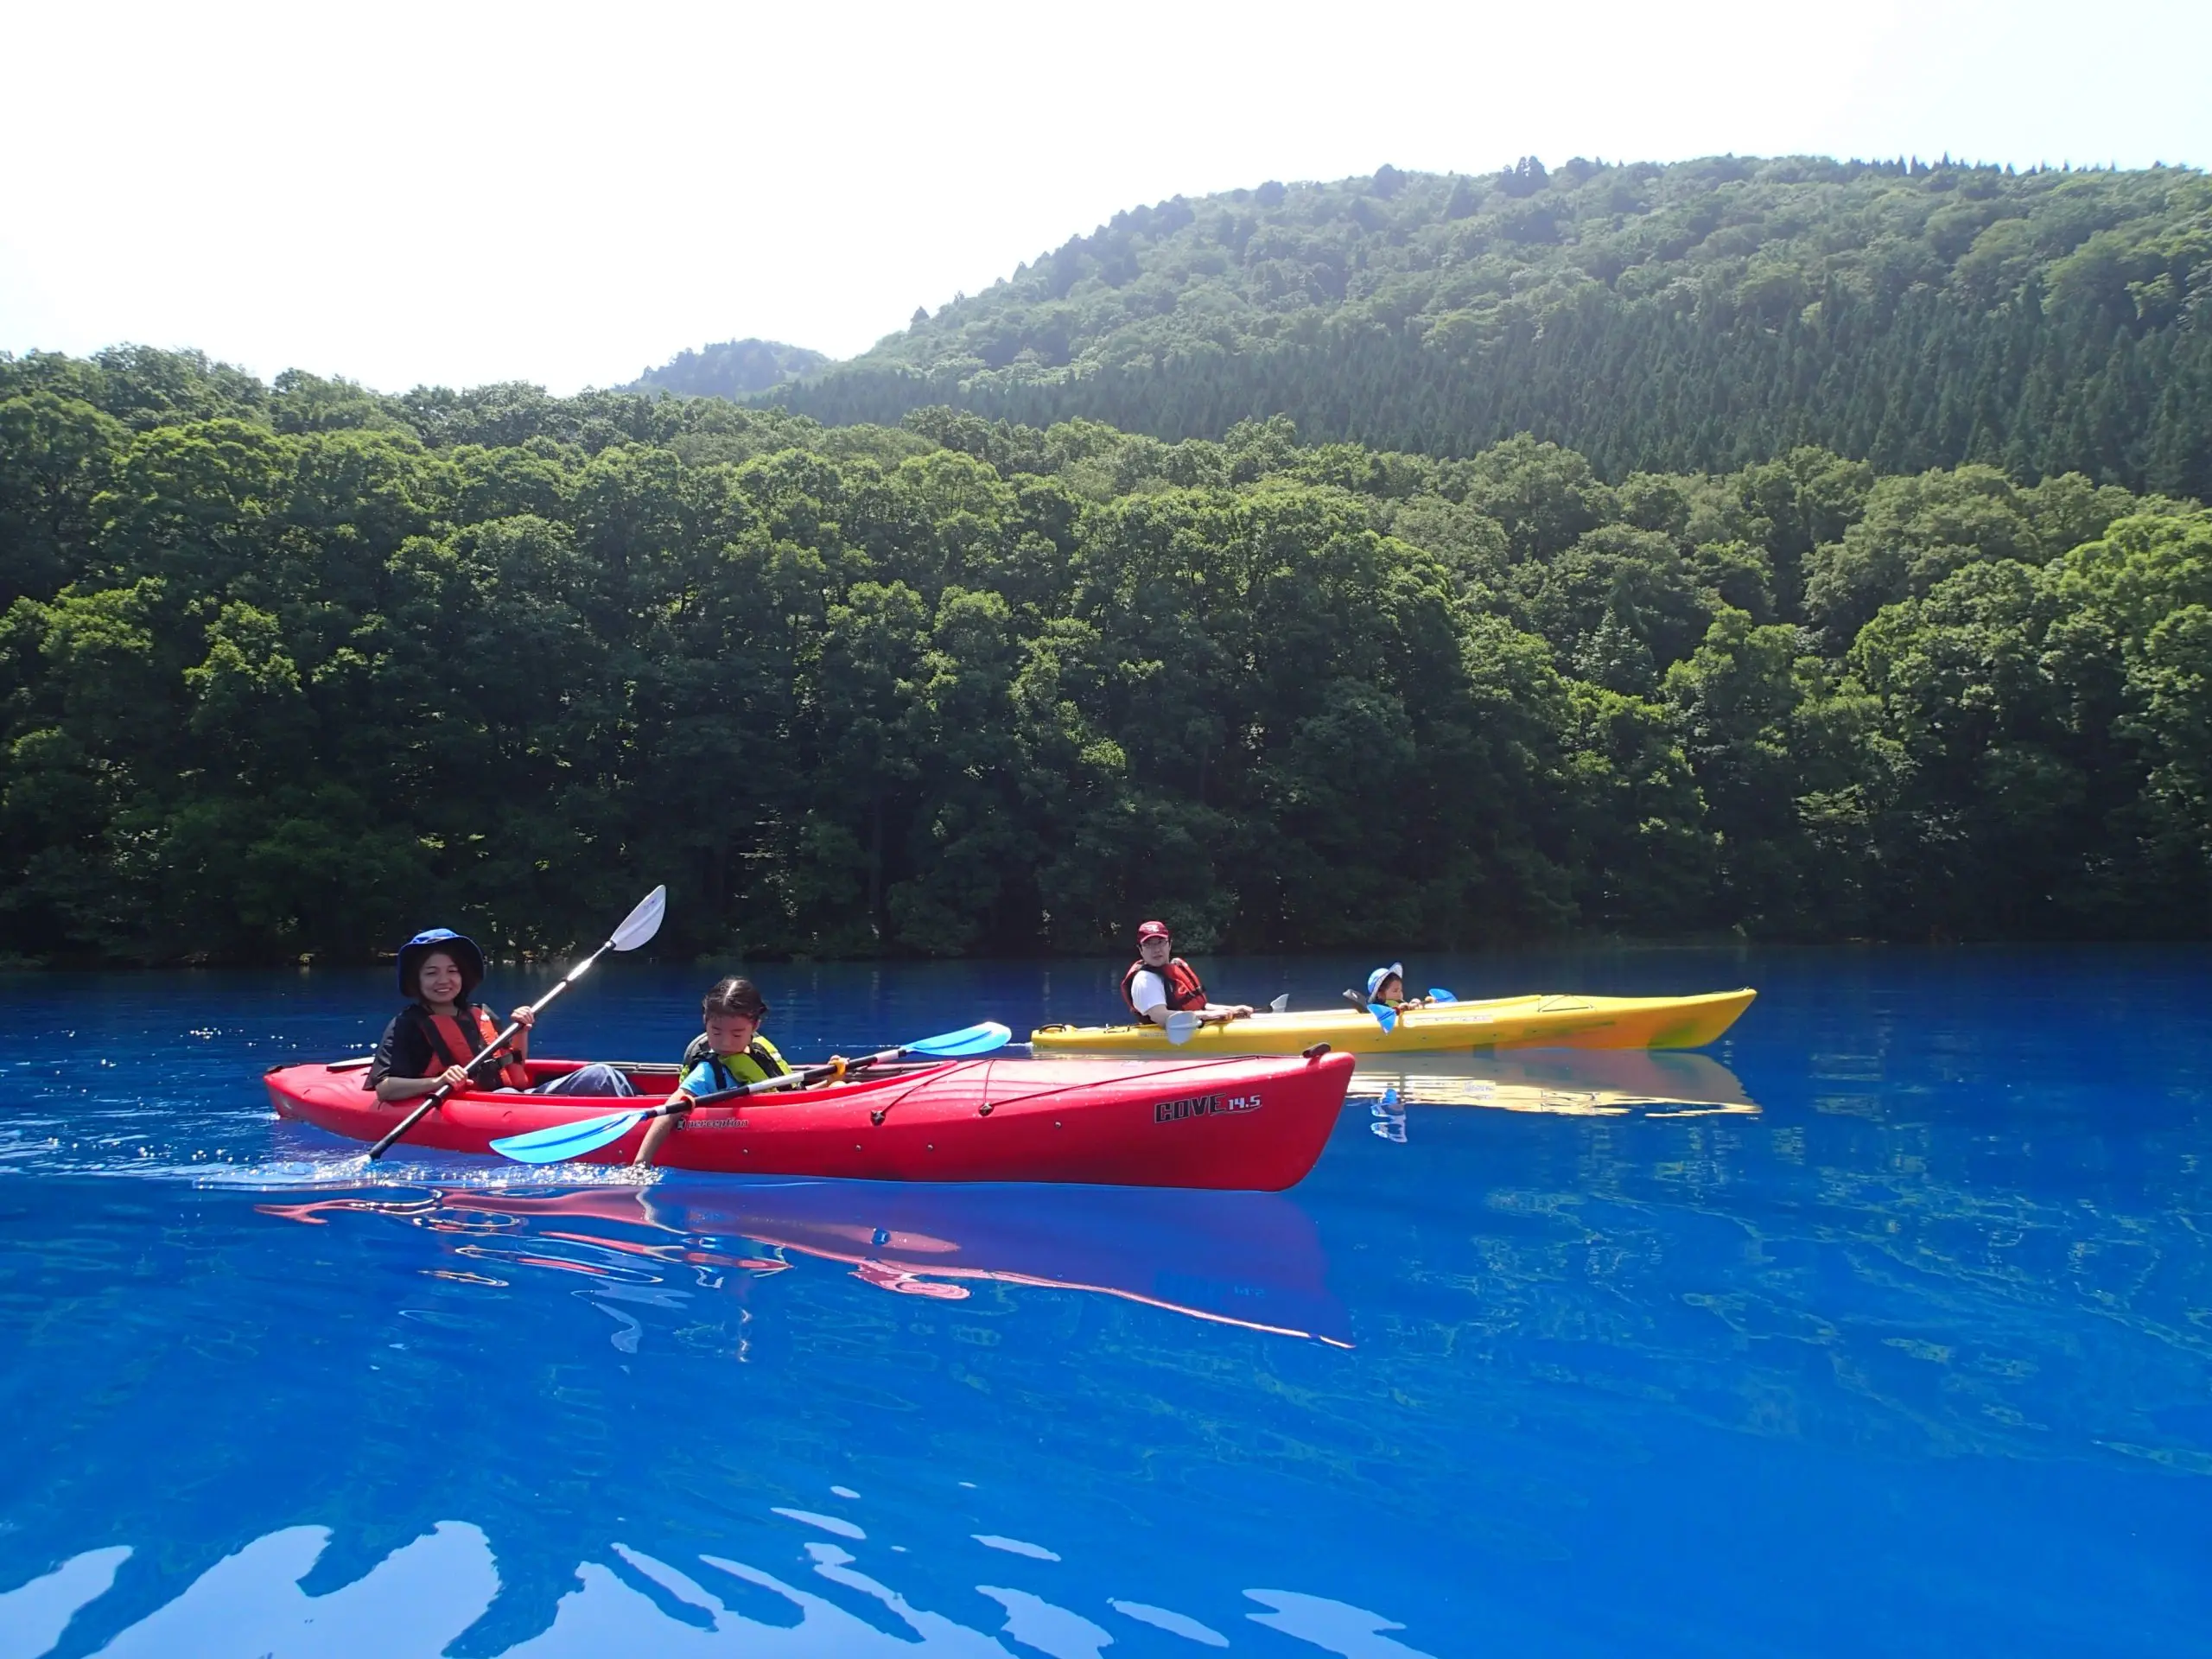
(1151, 930)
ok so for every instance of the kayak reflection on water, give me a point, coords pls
(1252, 1260)
(1569, 1082)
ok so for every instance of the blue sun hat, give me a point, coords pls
(458, 946)
(1396, 969)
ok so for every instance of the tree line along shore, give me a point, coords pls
(296, 669)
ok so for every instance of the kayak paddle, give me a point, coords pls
(560, 1142)
(1183, 1024)
(1387, 1017)
(1363, 1006)
(639, 925)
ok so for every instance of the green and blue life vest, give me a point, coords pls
(706, 1072)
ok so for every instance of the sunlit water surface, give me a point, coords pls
(1885, 1326)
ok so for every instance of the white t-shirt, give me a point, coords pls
(1148, 990)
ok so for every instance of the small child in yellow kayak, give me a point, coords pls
(1386, 988)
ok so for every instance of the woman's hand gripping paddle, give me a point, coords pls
(1183, 1025)
(639, 925)
(562, 1141)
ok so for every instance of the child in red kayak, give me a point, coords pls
(730, 1052)
(429, 1042)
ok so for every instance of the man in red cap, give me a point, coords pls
(1160, 983)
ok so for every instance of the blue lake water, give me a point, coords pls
(1884, 1326)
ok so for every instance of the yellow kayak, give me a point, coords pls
(1549, 1022)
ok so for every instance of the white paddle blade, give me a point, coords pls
(1280, 1005)
(641, 923)
(1180, 1026)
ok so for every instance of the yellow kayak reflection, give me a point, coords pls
(1572, 1082)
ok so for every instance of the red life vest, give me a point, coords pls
(457, 1037)
(1180, 979)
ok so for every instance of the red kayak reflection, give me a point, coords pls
(1253, 1260)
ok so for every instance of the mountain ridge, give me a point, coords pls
(732, 368)
(1709, 313)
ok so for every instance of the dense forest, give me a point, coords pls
(297, 669)
(735, 368)
(1703, 316)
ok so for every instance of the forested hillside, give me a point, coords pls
(1706, 315)
(735, 368)
(298, 669)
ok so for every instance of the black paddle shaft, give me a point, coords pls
(798, 1079)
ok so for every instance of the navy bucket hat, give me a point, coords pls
(458, 946)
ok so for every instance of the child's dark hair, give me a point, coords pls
(735, 996)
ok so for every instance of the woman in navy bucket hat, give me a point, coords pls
(430, 1042)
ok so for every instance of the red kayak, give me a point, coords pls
(1253, 1123)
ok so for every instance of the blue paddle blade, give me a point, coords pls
(958, 1044)
(1435, 995)
(1385, 1015)
(562, 1141)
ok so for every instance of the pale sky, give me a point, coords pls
(403, 193)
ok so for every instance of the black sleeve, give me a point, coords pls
(404, 1052)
